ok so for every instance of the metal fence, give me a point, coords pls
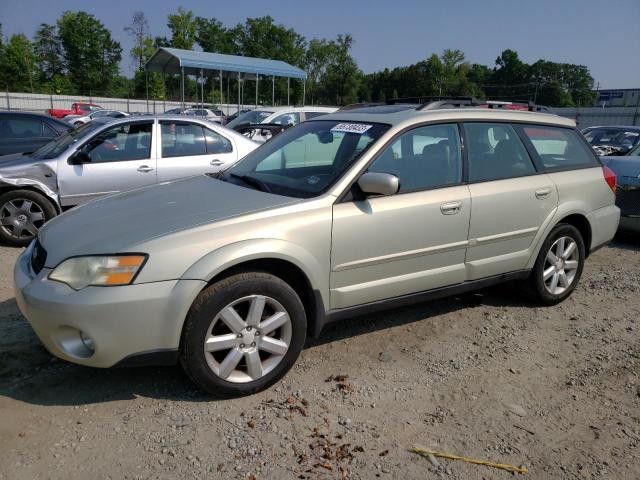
(37, 102)
(591, 116)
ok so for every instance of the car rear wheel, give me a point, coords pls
(559, 265)
(243, 334)
(22, 214)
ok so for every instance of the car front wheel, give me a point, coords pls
(243, 334)
(22, 214)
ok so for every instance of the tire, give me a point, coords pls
(550, 291)
(230, 370)
(22, 214)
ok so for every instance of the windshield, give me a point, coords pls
(615, 137)
(307, 159)
(60, 144)
(254, 116)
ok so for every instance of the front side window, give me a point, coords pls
(494, 152)
(130, 141)
(423, 158)
(559, 148)
(306, 160)
(181, 139)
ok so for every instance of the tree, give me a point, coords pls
(262, 37)
(183, 29)
(318, 57)
(342, 80)
(19, 68)
(142, 42)
(91, 55)
(48, 51)
(214, 37)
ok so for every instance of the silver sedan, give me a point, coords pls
(104, 157)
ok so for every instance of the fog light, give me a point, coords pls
(87, 341)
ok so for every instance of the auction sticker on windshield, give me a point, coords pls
(351, 128)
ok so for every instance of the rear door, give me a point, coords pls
(188, 148)
(122, 158)
(510, 200)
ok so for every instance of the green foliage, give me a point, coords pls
(48, 50)
(91, 56)
(183, 29)
(19, 68)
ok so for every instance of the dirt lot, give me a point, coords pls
(485, 375)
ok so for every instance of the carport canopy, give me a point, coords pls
(173, 60)
(190, 62)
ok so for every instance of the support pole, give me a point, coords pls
(201, 89)
(273, 91)
(221, 90)
(146, 81)
(182, 85)
(238, 94)
(257, 80)
(304, 91)
(288, 103)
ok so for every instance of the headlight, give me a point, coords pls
(111, 270)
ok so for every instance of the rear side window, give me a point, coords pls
(23, 128)
(182, 139)
(559, 148)
(495, 152)
(216, 143)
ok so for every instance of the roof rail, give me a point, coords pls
(436, 103)
(509, 105)
(353, 106)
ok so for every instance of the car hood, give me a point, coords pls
(627, 169)
(117, 222)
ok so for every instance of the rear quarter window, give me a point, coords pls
(559, 148)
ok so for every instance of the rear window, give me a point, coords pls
(559, 148)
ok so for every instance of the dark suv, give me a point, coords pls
(22, 132)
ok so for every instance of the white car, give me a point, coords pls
(277, 115)
(205, 113)
(82, 119)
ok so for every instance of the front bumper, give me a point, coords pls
(122, 321)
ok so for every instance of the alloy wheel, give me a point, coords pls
(561, 265)
(248, 338)
(21, 218)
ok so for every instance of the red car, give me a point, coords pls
(77, 108)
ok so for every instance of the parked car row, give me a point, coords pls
(340, 215)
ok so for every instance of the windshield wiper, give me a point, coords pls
(254, 182)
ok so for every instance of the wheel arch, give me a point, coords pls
(285, 260)
(5, 188)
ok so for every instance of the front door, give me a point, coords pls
(413, 241)
(122, 158)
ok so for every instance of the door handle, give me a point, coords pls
(145, 168)
(543, 193)
(216, 163)
(450, 208)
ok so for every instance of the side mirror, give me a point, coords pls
(373, 183)
(79, 158)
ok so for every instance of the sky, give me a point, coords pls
(604, 36)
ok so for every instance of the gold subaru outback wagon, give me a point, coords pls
(355, 211)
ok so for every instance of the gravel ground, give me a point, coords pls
(485, 375)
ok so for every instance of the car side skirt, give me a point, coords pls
(331, 316)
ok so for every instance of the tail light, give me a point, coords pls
(610, 178)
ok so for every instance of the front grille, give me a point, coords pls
(38, 257)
